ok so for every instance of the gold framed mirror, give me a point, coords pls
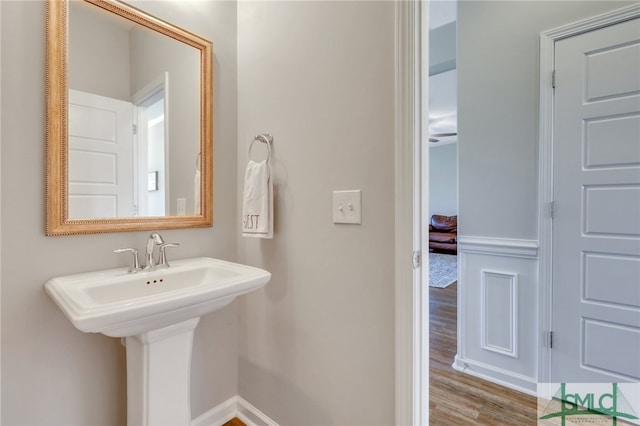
(129, 132)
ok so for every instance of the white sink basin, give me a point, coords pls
(157, 311)
(119, 304)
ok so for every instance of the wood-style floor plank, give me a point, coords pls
(460, 399)
(234, 422)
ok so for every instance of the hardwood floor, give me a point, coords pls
(460, 399)
(234, 422)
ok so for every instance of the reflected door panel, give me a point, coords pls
(101, 166)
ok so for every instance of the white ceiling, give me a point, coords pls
(443, 91)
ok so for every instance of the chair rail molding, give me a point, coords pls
(498, 246)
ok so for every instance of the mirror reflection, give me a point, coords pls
(133, 119)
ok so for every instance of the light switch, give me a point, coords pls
(347, 207)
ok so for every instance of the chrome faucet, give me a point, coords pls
(154, 239)
(151, 263)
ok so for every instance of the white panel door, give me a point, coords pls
(101, 165)
(596, 228)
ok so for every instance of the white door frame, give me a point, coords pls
(545, 170)
(0, 210)
(411, 171)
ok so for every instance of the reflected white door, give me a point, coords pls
(596, 229)
(101, 157)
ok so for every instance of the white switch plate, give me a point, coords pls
(347, 207)
(181, 205)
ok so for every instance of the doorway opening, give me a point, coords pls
(506, 279)
(151, 141)
(441, 217)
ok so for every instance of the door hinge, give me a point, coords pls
(416, 259)
(551, 207)
(551, 340)
(135, 129)
(553, 79)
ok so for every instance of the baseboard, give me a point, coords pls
(218, 415)
(233, 407)
(251, 416)
(496, 375)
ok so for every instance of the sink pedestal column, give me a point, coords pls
(158, 375)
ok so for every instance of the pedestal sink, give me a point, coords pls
(157, 312)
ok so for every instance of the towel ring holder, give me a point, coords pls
(264, 138)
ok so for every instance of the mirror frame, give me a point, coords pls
(58, 222)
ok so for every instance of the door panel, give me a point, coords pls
(611, 335)
(601, 269)
(604, 81)
(613, 142)
(596, 229)
(101, 168)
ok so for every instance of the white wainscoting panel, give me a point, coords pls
(499, 312)
(498, 333)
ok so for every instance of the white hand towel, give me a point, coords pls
(257, 201)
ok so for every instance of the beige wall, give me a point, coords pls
(317, 343)
(53, 374)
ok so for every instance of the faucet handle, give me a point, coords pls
(163, 255)
(134, 265)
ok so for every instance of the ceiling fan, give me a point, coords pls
(434, 137)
